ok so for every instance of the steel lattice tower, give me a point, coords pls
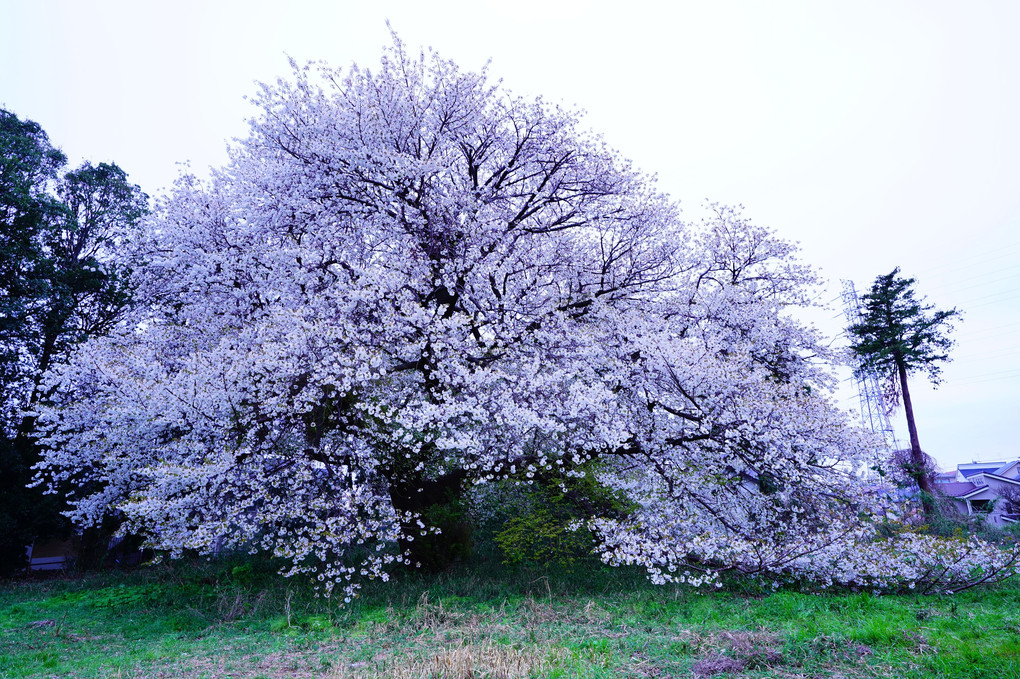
(874, 414)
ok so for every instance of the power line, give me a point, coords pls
(974, 260)
(1014, 277)
(987, 377)
(1014, 295)
(951, 288)
(961, 332)
(987, 265)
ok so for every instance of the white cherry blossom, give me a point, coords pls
(408, 279)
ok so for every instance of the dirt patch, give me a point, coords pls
(735, 651)
(460, 661)
(717, 664)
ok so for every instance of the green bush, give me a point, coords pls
(539, 522)
(543, 537)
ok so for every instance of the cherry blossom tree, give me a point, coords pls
(408, 282)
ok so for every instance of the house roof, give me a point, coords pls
(977, 491)
(973, 470)
(1001, 471)
(958, 489)
(1015, 482)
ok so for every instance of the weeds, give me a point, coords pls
(459, 661)
(222, 619)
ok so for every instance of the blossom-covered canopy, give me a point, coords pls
(411, 277)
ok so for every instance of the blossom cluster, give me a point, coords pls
(409, 278)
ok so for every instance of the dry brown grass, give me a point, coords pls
(459, 661)
(730, 652)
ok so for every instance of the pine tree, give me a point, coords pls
(900, 335)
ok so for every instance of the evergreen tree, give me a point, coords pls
(900, 335)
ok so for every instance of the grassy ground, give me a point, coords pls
(225, 620)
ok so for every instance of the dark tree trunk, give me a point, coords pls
(918, 464)
(440, 504)
(95, 544)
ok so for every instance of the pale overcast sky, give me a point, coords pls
(877, 133)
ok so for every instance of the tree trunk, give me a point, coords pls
(95, 543)
(51, 332)
(441, 504)
(918, 466)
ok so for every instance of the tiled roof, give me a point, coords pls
(1001, 478)
(956, 489)
(1001, 470)
(973, 471)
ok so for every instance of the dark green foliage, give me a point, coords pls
(436, 551)
(899, 335)
(899, 330)
(946, 521)
(28, 170)
(25, 513)
(60, 283)
(540, 524)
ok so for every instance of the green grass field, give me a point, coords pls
(229, 620)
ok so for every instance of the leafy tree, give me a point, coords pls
(28, 169)
(900, 335)
(409, 282)
(61, 283)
